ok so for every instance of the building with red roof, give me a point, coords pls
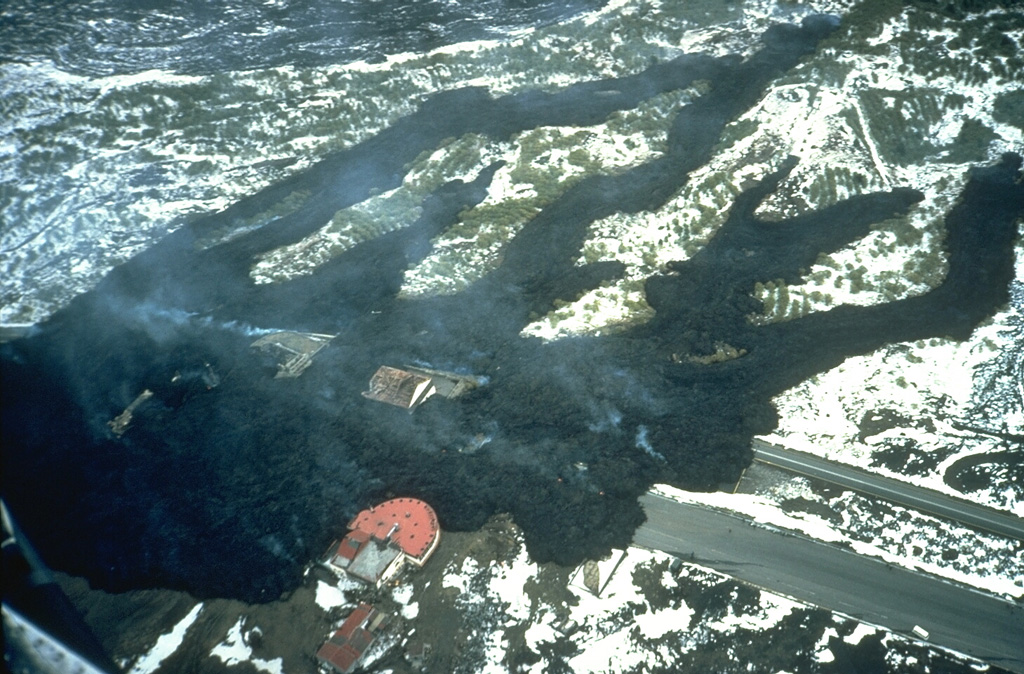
(383, 538)
(408, 522)
(347, 646)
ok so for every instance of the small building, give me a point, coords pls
(409, 523)
(293, 351)
(370, 559)
(410, 387)
(417, 653)
(347, 646)
(399, 387)
(382, 539)
(120, 423)
(593, 576)
(449, 384)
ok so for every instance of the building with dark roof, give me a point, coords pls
(347, 646)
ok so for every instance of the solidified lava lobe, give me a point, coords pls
(230, 490)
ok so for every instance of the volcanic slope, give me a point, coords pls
(227, 485)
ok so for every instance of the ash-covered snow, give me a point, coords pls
(494, 597)
(892, 533)
(403, 595)
(639, 620)
(96, 169)
(166, 645)
(330, 596)
(610, 634)
(234, 650)
(912, 411)
(507, 583)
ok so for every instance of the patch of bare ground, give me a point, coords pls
(443, 627)
(450, 624)
(129, 624)
(762, 478)
(292, 628)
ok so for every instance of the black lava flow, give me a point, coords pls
(229, 481)
(108, 37)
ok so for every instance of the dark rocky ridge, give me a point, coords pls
(230, 491)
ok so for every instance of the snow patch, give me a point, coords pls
(333, 596)
(995, 567)
(233, 650)
(166, 644)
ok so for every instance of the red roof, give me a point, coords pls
(416, 529)
(354, 620)
(342, 658)
(352, 544)
(344, 649)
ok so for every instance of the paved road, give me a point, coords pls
(925, 500)
(839, 580)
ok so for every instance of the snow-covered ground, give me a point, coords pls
(142, 153)
(610, 632)
(165, 645)
(917, 411)
(97, 168)
(235, 649)
(332, 595)
(892, 533)
(94, 170)
(488, 608)
(652, 612)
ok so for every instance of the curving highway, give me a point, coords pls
(837, 579)
(902, 493)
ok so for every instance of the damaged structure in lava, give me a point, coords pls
(410, 387)
(293, 351)
(217, 472)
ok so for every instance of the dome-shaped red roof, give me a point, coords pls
(411, 523)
